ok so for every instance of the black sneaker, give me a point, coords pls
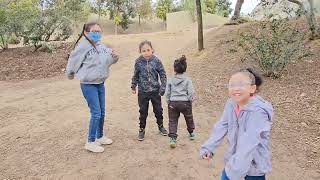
(192, 136)
(141, 134)
(163, 131)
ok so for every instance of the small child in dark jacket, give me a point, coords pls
(179, 95)
(147, 70)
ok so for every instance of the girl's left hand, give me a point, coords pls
(71, 76)
(114, 55)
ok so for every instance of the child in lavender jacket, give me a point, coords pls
(246, 121)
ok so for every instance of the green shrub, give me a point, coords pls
(13, 39)
(273, 45)
(48, 47)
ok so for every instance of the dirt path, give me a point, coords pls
(43, 128)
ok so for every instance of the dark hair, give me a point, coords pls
(144, 43)
(256, 79)
(180, 65)
(88, 26)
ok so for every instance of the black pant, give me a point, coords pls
(143, 100)
(174, 110)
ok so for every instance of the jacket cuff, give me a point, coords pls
(204, 151)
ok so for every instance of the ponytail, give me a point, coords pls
(180, 65)
(80, 36)
(257, 77)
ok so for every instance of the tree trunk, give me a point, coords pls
(99, 16)
(4, 43)
(139, 20)
(115, 20)
(315, 31)
(165, 25)
(111, 15)
(200, 26)
(312, 22)
(36, 47)
(237, 10)
(116, 29)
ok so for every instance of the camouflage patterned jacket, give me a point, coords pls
(146, 75)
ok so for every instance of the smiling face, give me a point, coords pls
(241, 88)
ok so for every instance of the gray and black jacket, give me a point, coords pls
(179, 88)
(146, 75)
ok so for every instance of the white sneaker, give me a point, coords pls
(104, 141)
(94, 147)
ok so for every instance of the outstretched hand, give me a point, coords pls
(114, 55)
(207, 156)
(71, 76)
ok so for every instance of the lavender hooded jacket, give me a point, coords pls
(248, 137)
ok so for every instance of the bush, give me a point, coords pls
(3, 42)
(124, 21)
(13, 39)
(47, 47)
(240, 20)
(273, 45)
(36, 22)
(223, 8)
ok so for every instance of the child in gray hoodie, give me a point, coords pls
(179, 95)
(90, 61)
(246, 122)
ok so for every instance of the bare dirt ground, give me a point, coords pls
(44, 122)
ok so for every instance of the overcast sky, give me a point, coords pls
(247, 6)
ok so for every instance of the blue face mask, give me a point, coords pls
(95, 36)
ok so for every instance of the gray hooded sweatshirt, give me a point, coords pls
(179, 88)
(91, 65)
(248, 137)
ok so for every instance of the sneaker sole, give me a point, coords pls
(173, 146)
(93, 151)
(105, 143)
(163, 134)
(140, 139)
